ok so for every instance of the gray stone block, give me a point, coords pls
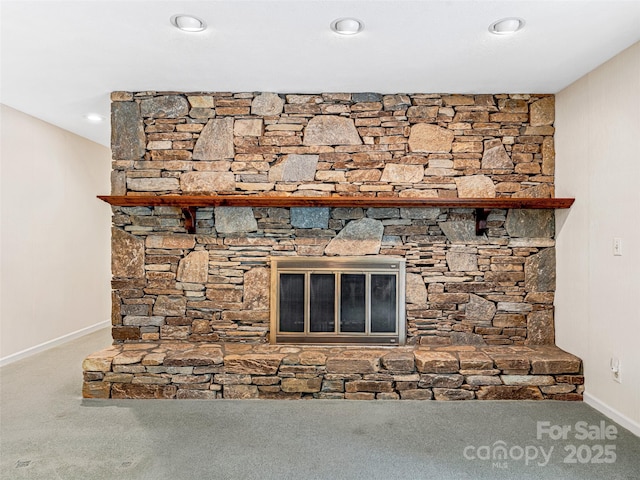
(235, 220)
(166, 106)
(366, 97)
(127, 131)
(530, 223)
(310, 217)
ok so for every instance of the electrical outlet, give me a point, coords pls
(616, 372)
(617, 246)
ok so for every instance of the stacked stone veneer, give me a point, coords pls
(236, 371)
(493, 289)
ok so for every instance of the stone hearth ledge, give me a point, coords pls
(174, 370)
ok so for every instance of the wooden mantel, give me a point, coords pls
(189, 203)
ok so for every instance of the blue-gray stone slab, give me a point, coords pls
(310, 217)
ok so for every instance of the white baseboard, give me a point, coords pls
(612, 413)
(52, 343)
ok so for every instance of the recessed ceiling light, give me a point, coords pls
(506, 26)
(188, 23)
(94, 117)
(347, 26)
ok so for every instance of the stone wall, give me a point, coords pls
(497, 288)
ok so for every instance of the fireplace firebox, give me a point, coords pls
(325, 300)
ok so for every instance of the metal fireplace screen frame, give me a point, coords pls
(333, 316)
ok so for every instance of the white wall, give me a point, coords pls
(598, 294)
(54, 240)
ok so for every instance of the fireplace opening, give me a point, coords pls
(328, 300)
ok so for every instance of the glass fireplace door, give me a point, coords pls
(330, 301)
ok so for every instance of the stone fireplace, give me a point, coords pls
(189, 301)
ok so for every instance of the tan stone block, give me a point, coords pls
(548, 156)
(510, 105)
(573, 379)
(474, 361)
(194, 267)
(467, 147)
(121, 96)
(153, 359)
(333, 386)
(452, 394)
(151, 379)
(509, 320)
(130, 390)
(225, 295)
(429, 380)
(302, 385)
(387, 396)
(440, 298)
(540, 328)
(509, 117)
(360, 396)
(188, 379)
(267, 104)
(511, 363)
(479, 380)
(187, 394)
(100, 361)
(166, 305)
(207, 182)
(174, 332)
(253, 364)
(560, 388)
(268, 380)
(530, 168)
(331, 130)
(354, 361)
(508, 392)
(416, 394)
(111, 377)
(198, 356)
(127, 254)
(175, 241)
(430, 138)
(436, 362)
(475, 186)
(397, 173)
(535, 380)
(152, 184)
(200, 326)
(399, 362)
(201, 101)
(128, 357)
(233, 379)
(542, 112)
(301, 371)
(256, 289)
(239, 391)
(552, 360)
(96, 390)
(368, 386)
(456, 100)
(310, 357)
(248, 127)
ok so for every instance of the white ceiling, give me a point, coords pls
(60, 59)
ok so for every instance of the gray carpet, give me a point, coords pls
(49, 432)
